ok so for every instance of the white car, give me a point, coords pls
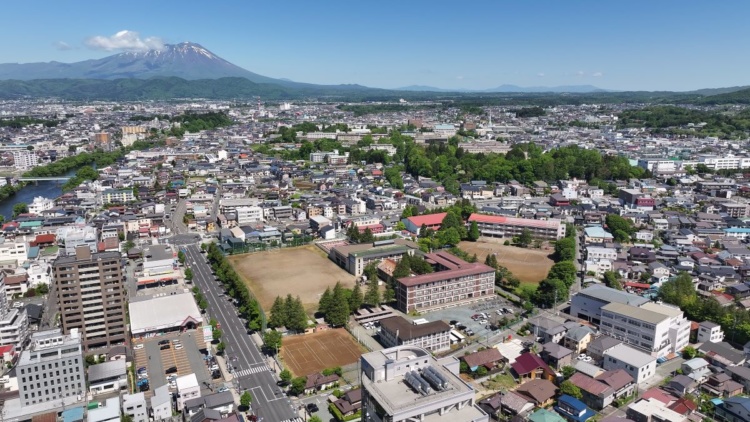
(138, 346)
(178, 346)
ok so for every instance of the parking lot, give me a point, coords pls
(169, 356)
(463, 315)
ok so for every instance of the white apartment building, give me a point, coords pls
(639, 365)
(135, 406)
(595, 252)
(52, 368)
(597, 266)
(187, 389)
(23, 159)
(14, 322)
(13, 251)
(40, 204)
(247, 215)
(709, 331)
(729, 161)
(654, 328)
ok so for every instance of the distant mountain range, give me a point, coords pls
(510, 88)
(189, 70)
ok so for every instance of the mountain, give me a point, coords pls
(186, 60)
(509, 88)
(425, 88)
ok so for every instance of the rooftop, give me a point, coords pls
(606, 294)
(641, 314)
(630, 356)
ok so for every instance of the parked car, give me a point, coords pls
(222, 389)
(215, 375)
(138, 346)
(165, 347)
(312, 407)
(171, 370)
(178, 346)
(163, 342)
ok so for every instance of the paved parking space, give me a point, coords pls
(463, 314)
(186, 360)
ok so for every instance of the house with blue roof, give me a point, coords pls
(733, 409)
(573, 410)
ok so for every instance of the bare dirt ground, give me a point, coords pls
(528, 264)
(311, 353)
(304, 271)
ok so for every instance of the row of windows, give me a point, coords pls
(57, 364)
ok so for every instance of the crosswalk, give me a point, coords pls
(292, 420)
(254, 370)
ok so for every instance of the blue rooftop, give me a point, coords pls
(573, 409)
(73, 415)
(597, 232)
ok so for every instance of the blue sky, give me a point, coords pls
(633, 45)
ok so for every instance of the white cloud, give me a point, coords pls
(597, 74)
(62, 45)
(540, 74)
(124, 40)
(580, 73)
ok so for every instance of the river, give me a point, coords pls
(48, 189)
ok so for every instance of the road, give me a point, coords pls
(247, 363)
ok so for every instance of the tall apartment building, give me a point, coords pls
(454, 282)
(52, 368)
(406, 383)
(501, 226)
(14, 322)
(91, 296)
(247, 215)
(655, 329)
(23, 159)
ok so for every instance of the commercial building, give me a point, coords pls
(398, 331)
(187, 389)
(709, 331)
(14, 322)
(455, 282)
(587, 304)
(354, 258)
(639, 365)
(248, 215)
(52, 368)
(40, 204)
(501, 226)
(113, 196)
(406, 383)
(91, 296)
(134, 405)
(429, 221)
(653, 328)
(152, 315)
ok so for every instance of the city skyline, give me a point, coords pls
(634, 46)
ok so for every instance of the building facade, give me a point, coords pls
(91, 296)
(653, 328)
(433, 336)
(455, 282)
(52, 368)
(23, 159)
(501, 226)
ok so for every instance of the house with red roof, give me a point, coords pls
(431, 221)
(530, 366)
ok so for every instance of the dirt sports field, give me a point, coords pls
(529, 265)
(311, 353)
(303, 271)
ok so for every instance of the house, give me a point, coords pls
(722, 354)
(741, 374)
(489, 358)
(320, 382)
(639, 365)
(647, 410)
(501, 405)
(108, 377)
(599, 345)
(540, 391)
(350, 403)
(221, 402)
(601, 391)
(709, 331)
(722, 385)
(548, 329)
(529, 366)
(573, 410)
(697, 369)
(733, 409)
(680, 385)
(556, 356)
(578, 338)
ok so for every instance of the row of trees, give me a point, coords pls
(336, 305)
(562, 275)
(288, 313)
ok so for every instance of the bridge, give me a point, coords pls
(44, 179)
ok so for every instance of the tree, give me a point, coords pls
(450, 236)
(474, 231)
(367, 236)
(565, 249)
(356, 299)
(220, 348)
(550, 292)
(403, 268)
(188, 274)
(216, 334)
(568, 371)
(245, 399)
(525, 238)
(278, 317)
(570, 389)
(181, 257)
(20, 208)
(689, 352)
(615, 222)
(491, 261)
(315, 418)
(272, 340)
(372, 295)
(338, 312)
(129, 245)
(285, 375)
(324, 304)
(298, 385)
(42, 288)
(481, 371)
(679, 291)
(612, 280)
(565, 271)
(296, 315)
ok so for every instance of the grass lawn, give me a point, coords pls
(503, 382)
